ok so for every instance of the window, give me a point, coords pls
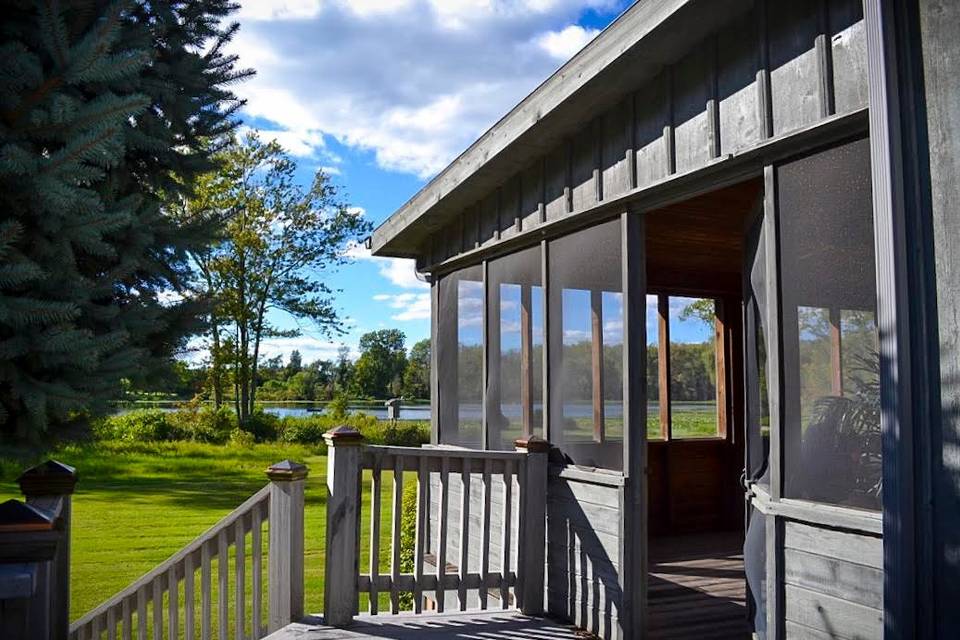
(682, 368)
(757, 391)
(586, 346)
(515, 348)
(830, 354)
(460, 357)
(693, 368)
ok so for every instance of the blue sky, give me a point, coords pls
(383, 94)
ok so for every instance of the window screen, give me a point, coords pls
(460, 357)
(757, 392)
(586, 346)
(515, 348)
(830, 357)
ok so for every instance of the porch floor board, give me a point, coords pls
(697, 587)
(479, 625)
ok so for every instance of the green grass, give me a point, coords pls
(137, 504)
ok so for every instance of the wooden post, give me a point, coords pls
(340, 598)
(533, 522)
(285, 556)
(49, 487)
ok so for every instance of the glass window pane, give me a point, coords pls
(693, 368)
(586, 350)
(515, 348)
(830, 359)
(460, 357)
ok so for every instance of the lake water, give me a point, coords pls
(422, 412)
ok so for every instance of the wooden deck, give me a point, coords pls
(697, 587)
(481, 625)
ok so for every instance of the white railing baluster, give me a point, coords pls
(507, 525)
(464, 533)
(442, 517)
(397, 527)
(127, 620)
(188, 597)
(157, 609)
(420, 544)
(240, 552)
(485, 536)
(206, 595)
(142, 613)
(256, 566)
(374, 538)
(173, 604)
(223, 595)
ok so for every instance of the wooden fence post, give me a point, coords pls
(285, 556)
(533, 526)
(340, 598)
(49, 487)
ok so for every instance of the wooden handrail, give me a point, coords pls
(259, 499)
(489, 483)
(281, 504)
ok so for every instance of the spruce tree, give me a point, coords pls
(107, 111)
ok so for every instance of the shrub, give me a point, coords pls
(263, 426)
(203, 423)
(241, 438)
(308, 430)
(399, 434)
(139, 425)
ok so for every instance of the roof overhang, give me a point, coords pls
(647, 37)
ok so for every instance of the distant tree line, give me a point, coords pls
(385, 369)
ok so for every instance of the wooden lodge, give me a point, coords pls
(786, 170)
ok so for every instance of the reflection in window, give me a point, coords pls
(830, 358)
(515, 326)
(586, 350)
(693, 368)
(460, 357)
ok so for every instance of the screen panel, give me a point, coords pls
(515, 348)
(460, 357)
(586, 346)
(830, 357)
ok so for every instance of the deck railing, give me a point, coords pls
(150, 608)
(482, 471)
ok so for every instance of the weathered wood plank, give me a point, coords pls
(173, 604)
(256, 568)
(206, 609)
(506, 531)
(442, 525)
(794, 67)
(850, 547)
(840, 618)
(420, 544)
(845, 580)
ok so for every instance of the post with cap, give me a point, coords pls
(49, 487)
(341, 598)
(533, 526)
(285, 558)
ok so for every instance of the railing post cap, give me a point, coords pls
(50, 478)
(343, 436)
(287, 470)
(533, 444)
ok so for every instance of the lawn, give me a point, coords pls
(137, 504)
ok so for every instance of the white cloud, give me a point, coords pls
(563, 44)
(400, 272)
(310, 348)
(412, 81)
(412, 306)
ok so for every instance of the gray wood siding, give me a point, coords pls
(771, 71)
(584, 554)
(833, 583)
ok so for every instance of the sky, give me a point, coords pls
(382, 95)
